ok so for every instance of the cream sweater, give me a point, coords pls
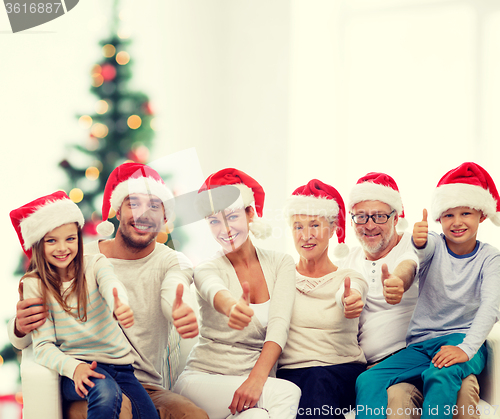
(222, 350)
(320, 335)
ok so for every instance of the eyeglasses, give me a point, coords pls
(376, 218)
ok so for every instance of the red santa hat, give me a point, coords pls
(35, 219)
(376, 186)
(250, 192)
(127, 179)
(468, 185)
(318, 198)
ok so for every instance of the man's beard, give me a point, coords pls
(137, 245)
(380, 246)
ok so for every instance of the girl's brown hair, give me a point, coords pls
(51, 281)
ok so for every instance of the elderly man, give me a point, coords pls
(154, 275)
(388, 262)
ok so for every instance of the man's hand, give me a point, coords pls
(81, 377)
(353, 304)
(393, 286)
(30, 314)
(449, 355)
(122, 312)
(183, 315)
(420, 231)
(240, 314)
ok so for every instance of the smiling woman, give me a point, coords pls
(246, 296)
(328, 302)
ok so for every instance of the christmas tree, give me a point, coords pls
(119, 130)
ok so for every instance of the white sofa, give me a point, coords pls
(42, 399)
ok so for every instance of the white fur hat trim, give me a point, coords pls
(48, 217)
(454, 195)
(309, 205)
(143, 185)
(369, 191)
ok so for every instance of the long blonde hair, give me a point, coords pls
(51, 281)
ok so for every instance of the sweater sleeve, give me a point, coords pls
(107, 280)
(45, 349)
(208, 281)
(17, 342)
(358, 283)
(179, 271)
(425, 253)
(487, 313)
(282, 299)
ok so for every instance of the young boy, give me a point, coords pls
(459, 296)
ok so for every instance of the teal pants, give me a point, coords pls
(440, 385)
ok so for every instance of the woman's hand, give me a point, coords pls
(353, 304)
(247, 395)
(81, 377)
(240, 314)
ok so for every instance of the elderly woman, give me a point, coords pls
(246, 297)
(322, 355)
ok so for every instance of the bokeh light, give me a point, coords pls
(101, 107)
(108, 50)
(134, 121)
(122, 57)
(99, 130)
(85, 121)
(76, 195)
(92, 173)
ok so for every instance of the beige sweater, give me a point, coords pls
(320, 335)
(222, 350)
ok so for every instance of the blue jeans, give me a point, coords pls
(105, 398)
(441, 385)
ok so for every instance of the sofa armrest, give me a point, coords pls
(41, 389)
(489, 379)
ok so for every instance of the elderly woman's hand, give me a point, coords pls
(353, 304)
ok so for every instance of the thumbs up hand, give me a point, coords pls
(184, 318)
(353, 304)
(122, 312)
(420, 231)
(393, 286)
(240, 314)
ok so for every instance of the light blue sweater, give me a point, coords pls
(457, 294)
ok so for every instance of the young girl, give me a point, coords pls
(80, 339)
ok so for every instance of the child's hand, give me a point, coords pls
(240, 314)
(184, 318)
(353, 304)
(420, 231)
(123, 312)
(393, 286)
(449, 355)
(81, 377)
